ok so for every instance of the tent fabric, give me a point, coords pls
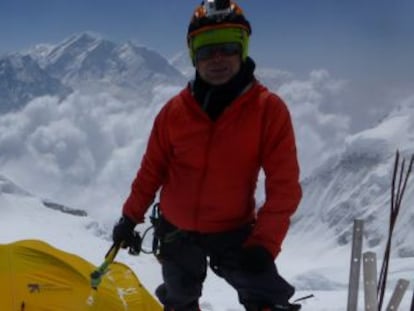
(35, 276)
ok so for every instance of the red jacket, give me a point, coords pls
(208, 170)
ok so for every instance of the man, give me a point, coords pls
(205, 151)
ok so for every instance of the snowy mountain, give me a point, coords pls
(25, 216)
(90, 63)
(182, 62)
(7, 186)
(86, 63)
(356, 184)
(22, 79)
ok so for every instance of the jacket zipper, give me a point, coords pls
(211, 132)
(205, 172)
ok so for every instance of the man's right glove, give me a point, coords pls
(255, 259)
(123, 232)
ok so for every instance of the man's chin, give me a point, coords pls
(218, 79)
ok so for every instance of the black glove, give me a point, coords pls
(255, 259)
(123, 231)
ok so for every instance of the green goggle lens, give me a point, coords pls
(223, 49)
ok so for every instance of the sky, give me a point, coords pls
(349, 38)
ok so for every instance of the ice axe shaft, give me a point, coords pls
(96, 275)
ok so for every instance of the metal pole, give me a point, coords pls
(370, 281)
(355, 268)
(398, 295)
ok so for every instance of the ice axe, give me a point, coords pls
(134, 244)
(96, 276)
(99, 272)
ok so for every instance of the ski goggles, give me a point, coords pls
(223, 49)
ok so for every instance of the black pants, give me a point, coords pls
(184, 259)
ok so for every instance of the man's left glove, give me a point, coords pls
(123, 232)
(255, 259)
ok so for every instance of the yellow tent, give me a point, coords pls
(35, 276)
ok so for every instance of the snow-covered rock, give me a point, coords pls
(90, 63)
(356, 184)
(22, 79)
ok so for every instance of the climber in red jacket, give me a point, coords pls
(204, 154)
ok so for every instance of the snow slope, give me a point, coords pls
(356, 184)
(323, 274)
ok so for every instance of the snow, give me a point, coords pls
(314, 267)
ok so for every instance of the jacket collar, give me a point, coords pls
(215, 99)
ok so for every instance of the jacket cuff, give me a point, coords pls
(273, 249)
(129, 223)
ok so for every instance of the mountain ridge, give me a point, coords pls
(356, 184)
(84, 62)
(22, 79)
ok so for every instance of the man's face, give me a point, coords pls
(217, 64)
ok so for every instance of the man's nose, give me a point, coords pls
(217, 54)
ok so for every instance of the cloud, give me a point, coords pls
(84, 150)
(319, 130)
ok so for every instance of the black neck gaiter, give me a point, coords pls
(214, 99)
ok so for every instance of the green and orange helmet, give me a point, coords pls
(215, 22)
